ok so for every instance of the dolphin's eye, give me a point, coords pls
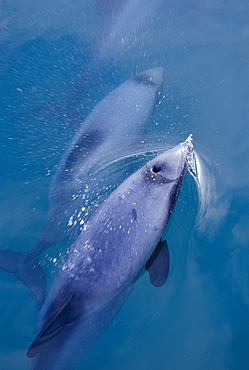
(156, 168)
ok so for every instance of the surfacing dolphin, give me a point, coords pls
(115, 124)
(102, 266)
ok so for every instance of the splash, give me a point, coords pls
(211, 207)
(148, 151)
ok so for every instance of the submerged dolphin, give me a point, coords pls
(122, 22)
(104, 262)
(116, 123)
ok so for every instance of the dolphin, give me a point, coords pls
(115, 124)
(121, 23)
(120, 239)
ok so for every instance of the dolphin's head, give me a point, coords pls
(154, 78)
(171, 165)
(160, 180)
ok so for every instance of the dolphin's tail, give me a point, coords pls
(26, 267)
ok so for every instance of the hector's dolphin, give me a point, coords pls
(122, 236)
(116, 123)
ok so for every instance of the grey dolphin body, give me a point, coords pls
(106, 259)
(116, 123)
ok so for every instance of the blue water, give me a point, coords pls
(199, 318)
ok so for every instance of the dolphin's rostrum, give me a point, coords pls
(122, 236)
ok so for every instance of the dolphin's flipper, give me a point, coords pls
(64, 316)
(26, 268)
(158, 264)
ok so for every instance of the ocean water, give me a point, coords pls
(199, 318)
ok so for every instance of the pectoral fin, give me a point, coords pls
(158, 264)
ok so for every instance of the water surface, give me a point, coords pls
(199, 319)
